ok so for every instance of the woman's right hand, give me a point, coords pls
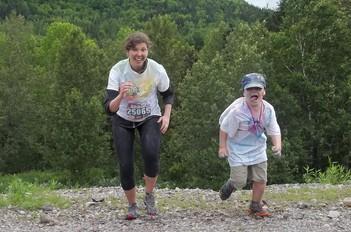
(124, 88)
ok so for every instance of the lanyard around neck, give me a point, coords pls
(260, 115)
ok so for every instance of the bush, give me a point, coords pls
(335, 174)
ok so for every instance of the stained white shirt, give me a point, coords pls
(142, 101)
(247, 141)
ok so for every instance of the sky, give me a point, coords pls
(271, 4)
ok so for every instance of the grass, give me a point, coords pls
(240, 199)
(305, 194)
(207, 202)
(34, 190)
(36, 177)
(31, 196)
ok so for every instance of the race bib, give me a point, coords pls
(137, 111)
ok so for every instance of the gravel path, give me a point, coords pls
(103, 209)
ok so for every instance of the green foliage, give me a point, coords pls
(114, 49)
(77, 135)
(53, 179)
(286, 169)
(79, 65)
(214, 41)
(169, 48)
(19, 111)
(310, 61)
(334, 174)
(54, 65)
(52, 42)
(76, 139)
(97, 177)
(104, 19)
(31, 196)
(310, 194)
(61, 179)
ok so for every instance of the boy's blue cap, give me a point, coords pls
(253, 80)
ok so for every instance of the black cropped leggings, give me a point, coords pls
(123, 132)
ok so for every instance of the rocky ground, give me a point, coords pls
(103, 209)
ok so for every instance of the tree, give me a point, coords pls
(20, 113)
(169, 48)
(311, 61)
(78, 141)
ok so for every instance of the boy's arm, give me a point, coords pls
(277, 144)
(222, 150)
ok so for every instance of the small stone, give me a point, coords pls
(347, 201)
(302, 205)
(300, 216)
(90, 203)
(46, 219)
(333, 214)
(98, 199)
(47, 208)
(21, 212)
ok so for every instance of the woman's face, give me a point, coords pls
(137, 56)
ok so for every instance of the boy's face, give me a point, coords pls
(254, 96)
(137, 56)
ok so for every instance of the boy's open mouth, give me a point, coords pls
(254, 97)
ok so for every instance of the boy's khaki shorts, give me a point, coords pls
(241, 174)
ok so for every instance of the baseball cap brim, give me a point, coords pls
(254, 84)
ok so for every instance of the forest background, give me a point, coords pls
(55, 57)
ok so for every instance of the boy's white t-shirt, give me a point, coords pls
(246, 146)
(142, 101)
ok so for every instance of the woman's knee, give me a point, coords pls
(151, 156)
(152, 168)
(127, 177)
(127, 183)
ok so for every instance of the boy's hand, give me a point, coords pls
(277, 151)
(222, 152)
